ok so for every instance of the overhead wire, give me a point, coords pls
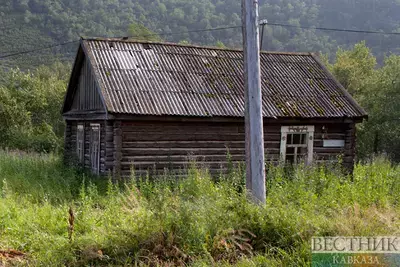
(214, 29)
(148, 35)
(38, 49)
(333, 29)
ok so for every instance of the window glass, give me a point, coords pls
(297, 144)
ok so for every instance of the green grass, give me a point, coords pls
(195, 221)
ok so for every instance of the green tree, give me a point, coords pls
(378, 91)
(13, 115)
(381, 134)
(353, 68)
(30, 108)
(140, 32)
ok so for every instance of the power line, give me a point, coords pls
(179, 33)
(214, 29)
(38, 49)
(289, 26)
(27, 45)
(333, 29)
(203, 30)
(271, 24)
(149, 35)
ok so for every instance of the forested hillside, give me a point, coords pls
(29, 24)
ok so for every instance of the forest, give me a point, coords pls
(29, 24)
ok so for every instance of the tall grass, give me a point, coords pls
(195, 221)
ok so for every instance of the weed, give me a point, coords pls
(193, 221)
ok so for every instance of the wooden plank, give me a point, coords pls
(184, 144)
(180, 151)
(179, 137)
(180, 129)
(321, 136)
(109, 145)
(181, 158)
(198, 128)
(117, 149)
(172, 166)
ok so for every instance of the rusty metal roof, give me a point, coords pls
(169, 79)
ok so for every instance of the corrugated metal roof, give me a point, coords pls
(169, 79)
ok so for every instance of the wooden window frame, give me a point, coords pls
(80, 142)
(95, 170)
(309, 130)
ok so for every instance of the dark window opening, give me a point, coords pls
(296, 148)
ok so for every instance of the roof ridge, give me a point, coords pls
(113, 39)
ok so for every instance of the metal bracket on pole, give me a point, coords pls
(262, 23)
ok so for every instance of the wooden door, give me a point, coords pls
(80, 143)
(95, 148)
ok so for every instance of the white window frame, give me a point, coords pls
(95, 167)
(309, 130)
(80, 142)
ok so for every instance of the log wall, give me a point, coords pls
(154, 146)
(335, 131)
(69, 156)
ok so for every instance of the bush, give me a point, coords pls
(39, 139)
(30, 109)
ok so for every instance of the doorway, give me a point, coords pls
(95, 148)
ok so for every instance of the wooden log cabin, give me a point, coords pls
(150, 106)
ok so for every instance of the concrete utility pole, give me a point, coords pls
(255, 168)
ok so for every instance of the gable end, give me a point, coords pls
(83, 94)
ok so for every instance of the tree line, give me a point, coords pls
(32, 23)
